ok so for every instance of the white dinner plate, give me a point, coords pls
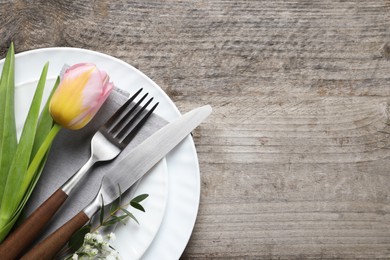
(183, 181)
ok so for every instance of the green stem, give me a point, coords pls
(107, 218)
(35, 163)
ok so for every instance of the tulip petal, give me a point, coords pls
(82, 91)
(77, 70)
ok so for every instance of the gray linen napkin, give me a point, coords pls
(70, 150)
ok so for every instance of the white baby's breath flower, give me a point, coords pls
(88, 237)
(98, 238)
(111, 237)
(94, 251)
(95, 245)
(106, 247)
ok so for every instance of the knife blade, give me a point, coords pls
(124, 174)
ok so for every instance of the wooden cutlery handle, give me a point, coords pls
(48, 248)
(20, 239)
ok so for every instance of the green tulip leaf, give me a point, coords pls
(45, 123)
(13, 193)
(4, 230)
(8, 139)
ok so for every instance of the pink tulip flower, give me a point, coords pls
(80, 94)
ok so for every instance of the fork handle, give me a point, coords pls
(20, 239)
(48, 248)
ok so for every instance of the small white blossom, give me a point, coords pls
(99, 238)
(111, 237)
(94, 251)
(97, 246)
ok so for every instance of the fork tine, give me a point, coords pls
(126, 126)
(123, 126)
(119, 125)
(110, 122)
(135, 130)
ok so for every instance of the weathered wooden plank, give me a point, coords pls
(295, 158)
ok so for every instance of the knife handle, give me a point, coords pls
(20, 239)
(48, 248)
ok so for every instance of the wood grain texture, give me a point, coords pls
(295, 158)
(50, 246)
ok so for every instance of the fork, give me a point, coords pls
(106, 144)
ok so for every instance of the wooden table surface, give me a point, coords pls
(294, 160)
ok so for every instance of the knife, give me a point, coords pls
(123, 175)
